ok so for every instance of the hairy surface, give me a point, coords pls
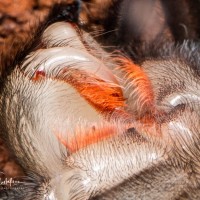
(121, 121)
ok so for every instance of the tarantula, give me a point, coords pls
(104, 104)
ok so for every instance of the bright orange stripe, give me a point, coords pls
(81, 140)
(103, 96)
(139, 79)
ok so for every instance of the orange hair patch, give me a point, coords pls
(87, 137)
(139, 80)
(103, 96)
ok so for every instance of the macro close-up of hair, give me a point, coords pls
(100, 100)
